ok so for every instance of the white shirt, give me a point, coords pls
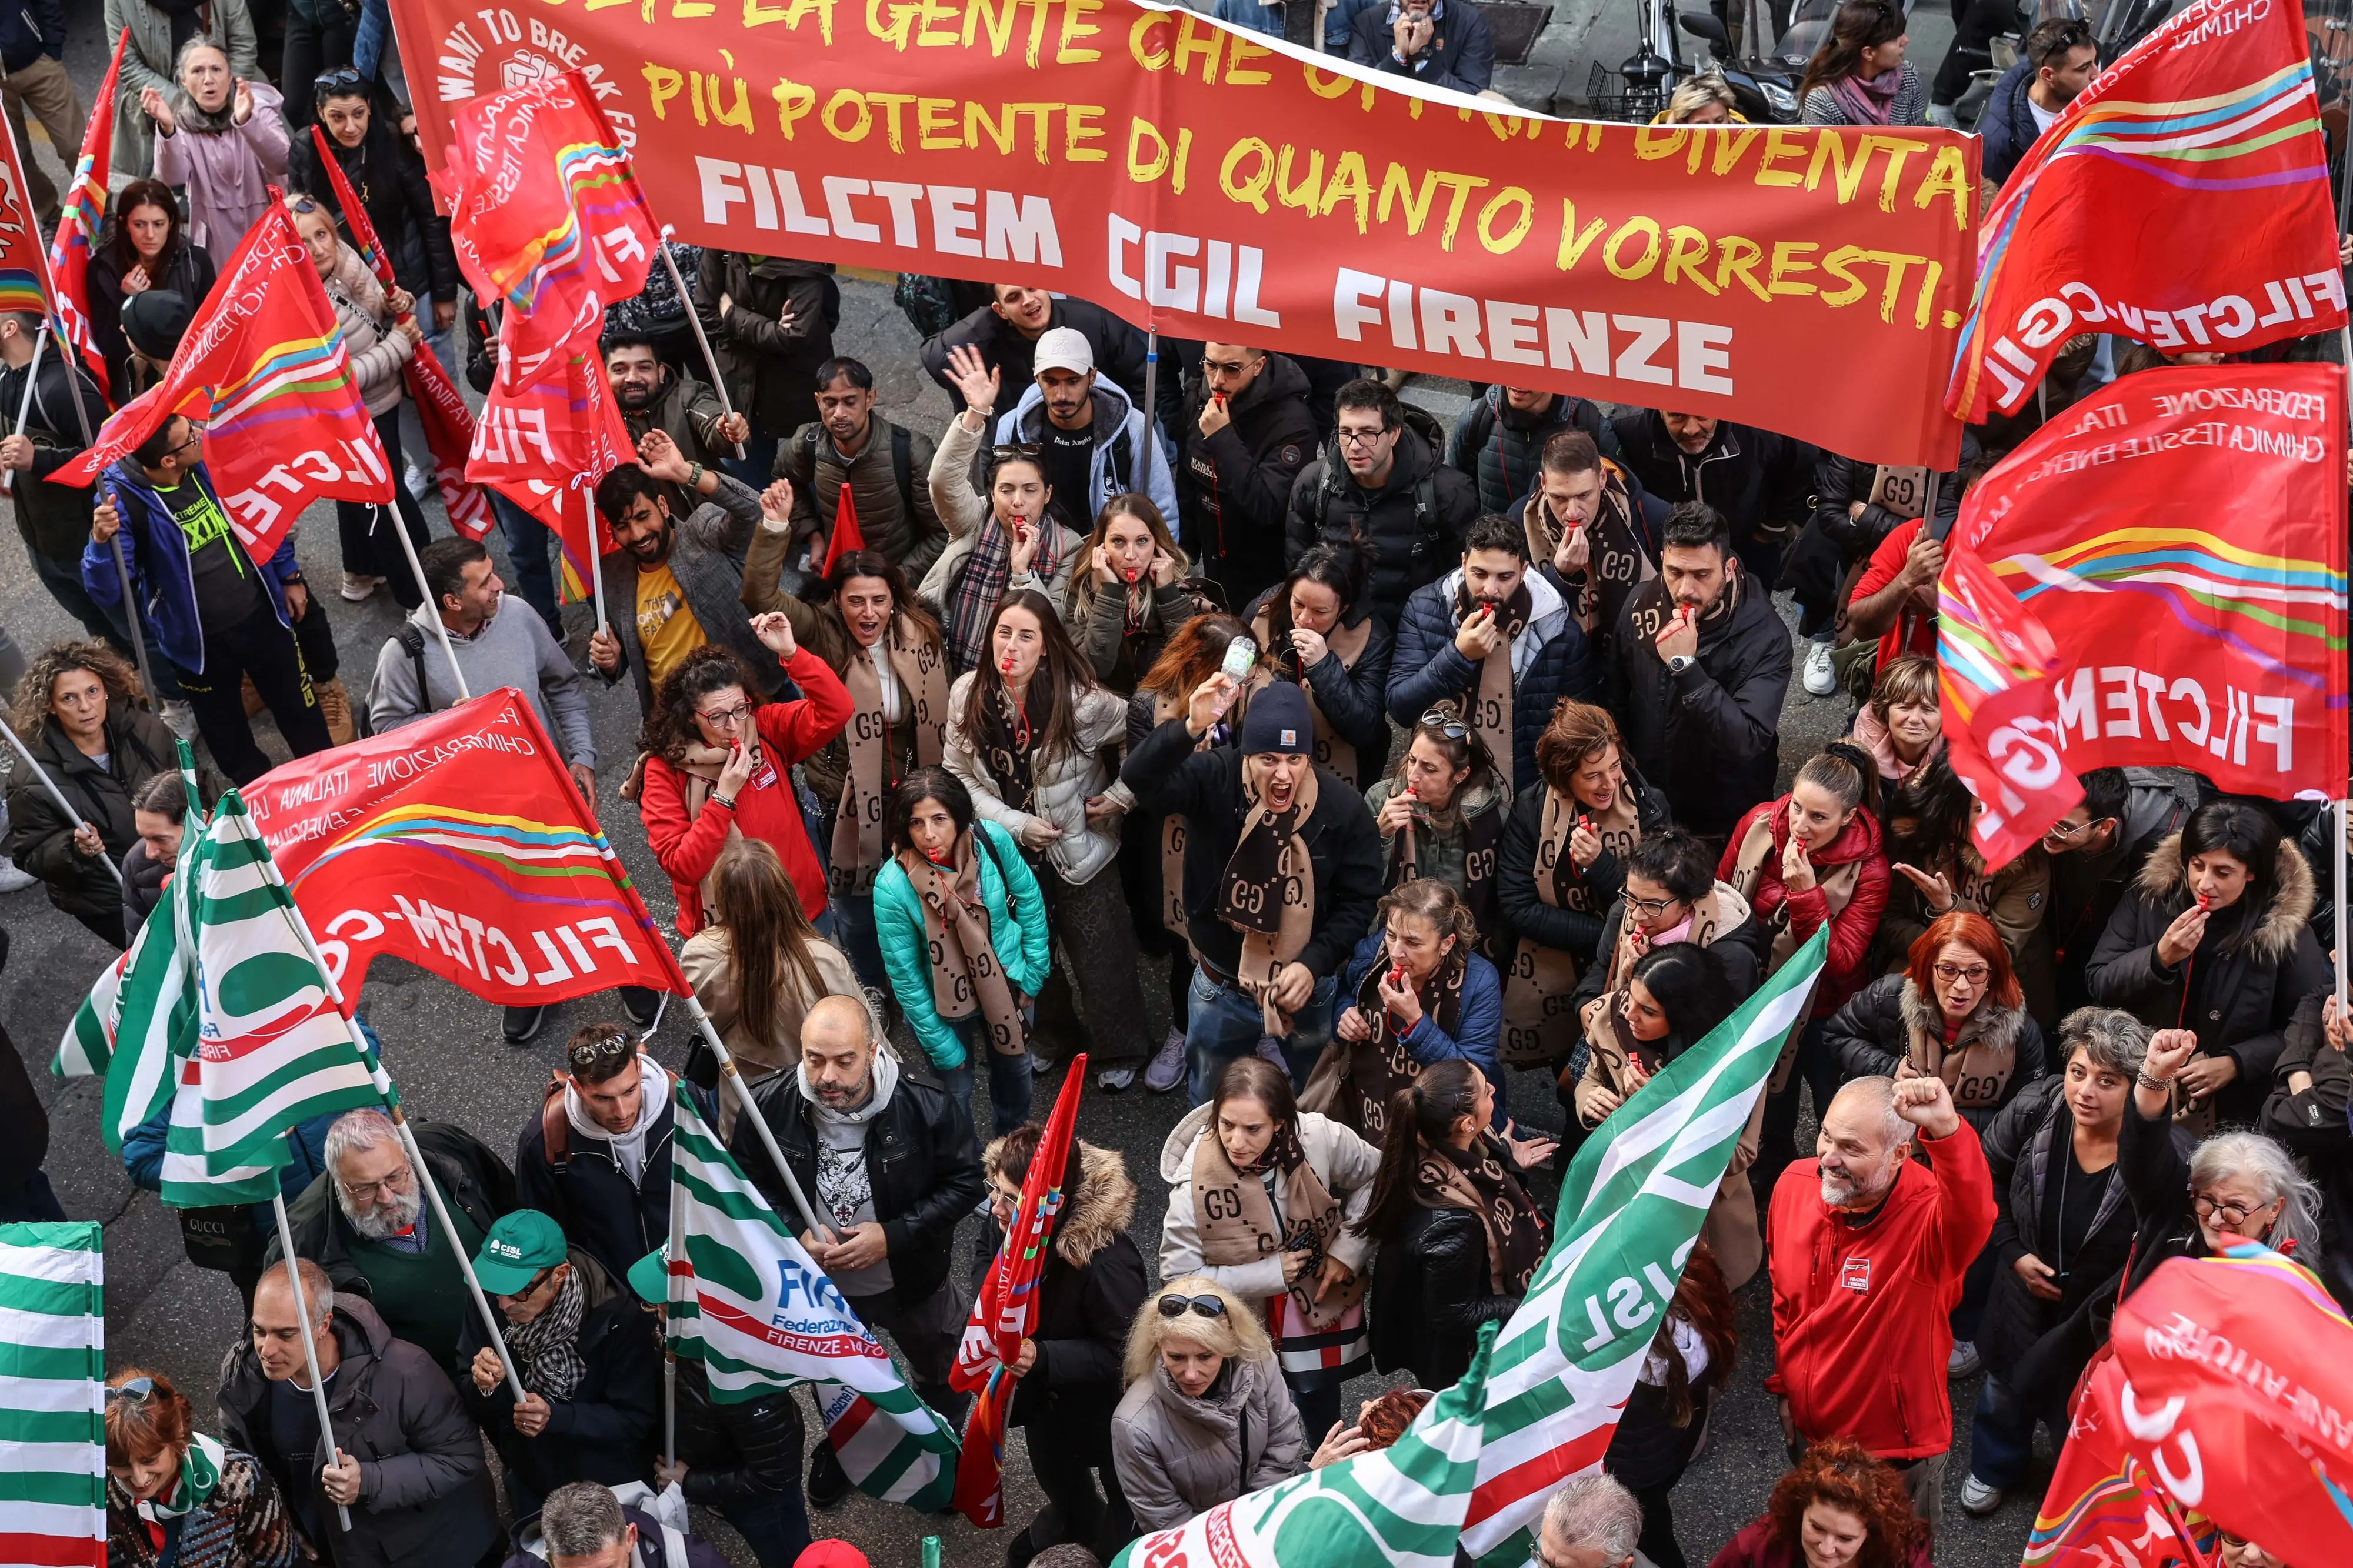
(894, 697)
(2043, 118)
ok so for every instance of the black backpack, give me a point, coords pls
(1422, 422)
(902, 464)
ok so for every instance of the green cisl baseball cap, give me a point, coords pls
(649, 1277)
(519, 1246)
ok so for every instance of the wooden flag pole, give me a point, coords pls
(57, 795)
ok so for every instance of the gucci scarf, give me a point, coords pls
(1760, 855)
(1345, 644)
(1267, 892)
(1009, 738)
(547, 1349)
(1237, 1222)
(1537, 989)
(873, 772)
(972, 603)
(701, 768)
(1490, 711)
(1171, 833)
(1616, 561)
(1479, 1182)
(965, 969)
(1481, 836)
(1381, 1064)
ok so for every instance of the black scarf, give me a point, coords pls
(1009, 740)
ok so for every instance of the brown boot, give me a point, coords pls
(335, 708)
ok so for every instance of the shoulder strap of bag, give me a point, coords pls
(554, 1126)
(903, 470)
(411, 638)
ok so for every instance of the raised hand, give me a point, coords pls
(975, 380)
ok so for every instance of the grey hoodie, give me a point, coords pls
(514, 647)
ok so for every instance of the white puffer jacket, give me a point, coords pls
(375, 351)
(1059, 790)
(1342, 1161)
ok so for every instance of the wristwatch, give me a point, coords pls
(1680, 663)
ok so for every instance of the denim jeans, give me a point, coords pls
(775, 1524)
(2001, 1435)
(1008, 1077)
(1225, 1023)
(528, 542)
(854, 929)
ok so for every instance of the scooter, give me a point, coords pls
(1763, 88)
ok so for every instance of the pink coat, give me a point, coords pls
(227, 172)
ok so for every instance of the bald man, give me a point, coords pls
(889, 1163)
(406, 1459)
(1868, 1248)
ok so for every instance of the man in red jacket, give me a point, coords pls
(1867, 1253)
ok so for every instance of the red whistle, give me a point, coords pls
(1131, 575)
(1005, 664)
(1584, 822)
(2205, 903)
(1396, 976)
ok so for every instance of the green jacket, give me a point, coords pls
(1019, 937)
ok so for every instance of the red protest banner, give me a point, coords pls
(2181, 533)
(460, 844)
(2182, 199)
(1214, 185)
(23, 270)
(82, 207)
(263, 367)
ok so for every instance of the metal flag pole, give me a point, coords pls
(391, 515)
(595, 564)
(2337, 855)
(670, 1319)
(58, 795)
(694, 319)
(759, 1122)
(1151, 387)
(408, 1140)
(121, 566)
(25, 405)
(310, 1343)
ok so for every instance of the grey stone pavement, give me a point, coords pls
(444, 1049)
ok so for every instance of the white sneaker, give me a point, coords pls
(1978, 1499)
(15, 878)
(1269, 1049)
(1821, 679)
(1964, 1362)
(358, 585)
(1112, 1080)
(419, 482)
(181, 719)
(1943, 114)
(1168, 1068)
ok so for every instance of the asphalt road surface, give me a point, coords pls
(444, 1049)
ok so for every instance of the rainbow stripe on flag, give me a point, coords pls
(509, 850)
(20, 292)
(1973, 660)
(299, 379)
(597, 184)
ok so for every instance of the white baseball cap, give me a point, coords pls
(1064, 348)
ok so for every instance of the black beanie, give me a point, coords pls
(1278, 719)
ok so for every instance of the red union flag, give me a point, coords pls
(2181, 533)
(2001, 720)
(545, 215)
(2182, 199)
(264, 369)
(81, 208)
(460, 844)
(543, 441)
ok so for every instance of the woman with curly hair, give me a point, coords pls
(1838, 1508)
(76, 711)
(719, 761)
(175, 1496)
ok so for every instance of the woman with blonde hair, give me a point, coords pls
(174, 1496)
(76, 711)
(1901, 726)
(1701, 99)
(759, 966)
(1131, 590)
(1206, 1416)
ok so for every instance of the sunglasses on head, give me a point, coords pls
(342, 76)
(604, 1047)
(1446, 721)
(136, 1391)
(1175, 1306)
(1011, 450)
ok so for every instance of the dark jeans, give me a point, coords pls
(2001, 1436)
(1008, 1077)
(1224, 1024)
(528, 544)
(261, 649)
(1066, 1473)
(853, 926)
(776, 1526)
(1319, 1410)
(32, 1200)
(369, 549)
(1658, 1540)
(756, 466)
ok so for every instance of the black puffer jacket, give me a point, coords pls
(2040, 1347)
(607, 1430)
(40, 835)
(921, 1155)
(1709, 737)
(2239, 1002)
(1760, 481)
(777, 329)
(1500, 446)
(1874, 1033)
(1234, 486)
(2315, 841)
(1118, 353)
(388, 177)
(736, 1453)
(1432, 1290)
(1576, 932)
(1353, 700)
(1093, 1283)
(52, 516)
(1415, 523)
(142, 887)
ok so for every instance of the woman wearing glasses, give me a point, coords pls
(2060, 1240)
(719, 761)
(1035, 739)
(1000, 537)
(176, 1497)
(1441, 816)
(1131, 589)
(1090, 1289)
(1205, 1417)
(2214, 937)
(1955, 1012)
(1316, 628)
(1460, 1237)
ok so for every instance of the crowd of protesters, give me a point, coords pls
(1412, 758)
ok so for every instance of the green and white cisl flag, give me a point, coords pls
(1631, 1211)
(52, 1396)
(271, 1050)
(751, 1304)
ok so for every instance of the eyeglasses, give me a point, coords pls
(1174, 1306)
(1650, 909)
(2064, 831)
(1446, 721)
(1223, 367)
(725, 717)
(1361, 438)
(396, 1183)
(1975, 974)
(586, 1054)
(2229, 1213)
(530, 1288)
(136, 1391)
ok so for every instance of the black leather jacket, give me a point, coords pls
(1430, 1293)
